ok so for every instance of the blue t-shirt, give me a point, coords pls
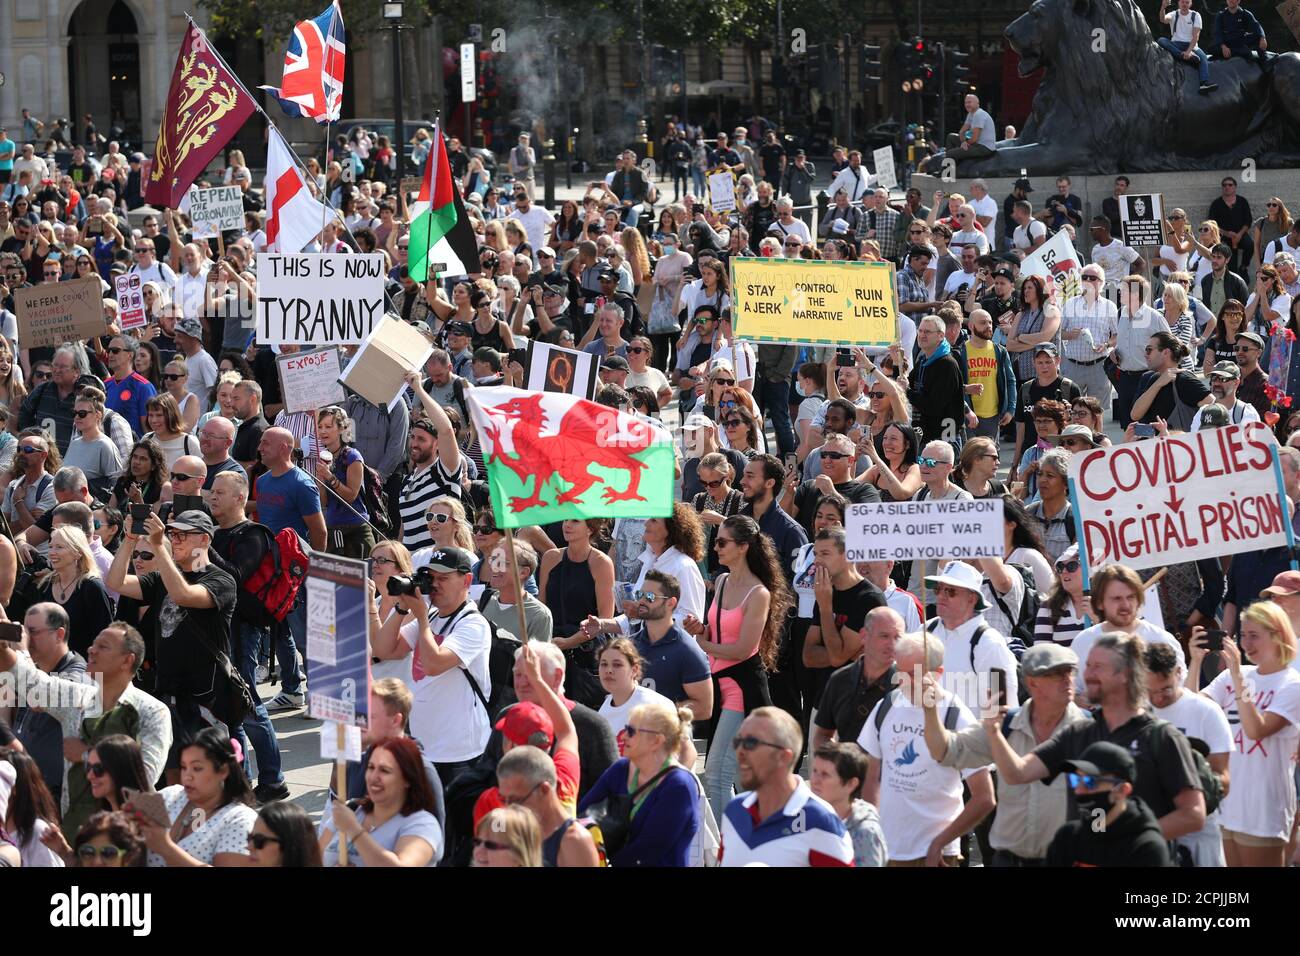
(338, 515)
(285, 501)
(672, 661)
(128, 398)
(7, 150)
(103, 253)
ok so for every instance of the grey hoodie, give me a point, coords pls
(868, 838)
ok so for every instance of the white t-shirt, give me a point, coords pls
(1198, 716)
(918, 797)
(1034, 560)
(536, 222)
(616, 717)
(1281, 305)
(988, 206)
(969, 237)
(1147, 631)
(1024, 236)
(447, 717)
(1114, 258)
(1183, 25)
(955, 281)
(1272, 249)
(1173, 255)
(1261, 801)
(651, 378)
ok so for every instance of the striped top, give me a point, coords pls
(1065, 630)
(418, 490)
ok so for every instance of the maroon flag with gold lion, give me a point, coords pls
(206, 106)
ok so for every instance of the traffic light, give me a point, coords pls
(926, 53)
(906, 62)
(958, 71)
(868, 66)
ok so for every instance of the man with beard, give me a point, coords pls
(1225, 378)
(990, 374)
(1115, 677)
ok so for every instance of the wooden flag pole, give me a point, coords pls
(341, 784)
(519, 585)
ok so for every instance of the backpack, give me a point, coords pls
(274, 584)
(1022, 692)
(376, 502)
(1211, 783)
(949, 716)
(501, 663)
(1022, 624)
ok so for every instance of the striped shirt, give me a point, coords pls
(805, 832)
(1063, 632)
(1101, 319)
(418, 490)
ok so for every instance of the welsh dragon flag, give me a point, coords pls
(552, 456)
(439, 229)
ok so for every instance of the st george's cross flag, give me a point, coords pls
(441, 238)
(293, 217)
(312, 86)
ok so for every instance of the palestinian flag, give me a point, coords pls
(552, 456)
(440, 233)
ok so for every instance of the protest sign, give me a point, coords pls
(215, 210)
(1290, 14)
(551, 368)
(130, 302)
(59, 312)
(925, 530)
(722, 191)
(377, 372)
(310, 380)
(1206, 494)
(886, 178)
(1057, 262)
(338, 652)
(1142, 219)
(814, 301)
(318, 298)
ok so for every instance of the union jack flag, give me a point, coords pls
(312, 86)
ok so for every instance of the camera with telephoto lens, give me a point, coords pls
(421, 580)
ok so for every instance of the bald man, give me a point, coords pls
(188, 475)
(287, 496)
(216, 438)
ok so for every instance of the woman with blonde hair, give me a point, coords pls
(174, 377)
(516, 234)
(638, 259)
(508, 837)
(665, 795)
(1198, 262)
(977, 468)
(494, 236)
(237, 170)
(1261, 700)
(341, 474)
(449, 526)
(1181, 320)
(73, 582)
(386, 559)
(1271, 226)
(12, 390)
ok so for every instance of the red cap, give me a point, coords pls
(1286, 583)
(522, 721)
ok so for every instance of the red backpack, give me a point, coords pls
(275, 583)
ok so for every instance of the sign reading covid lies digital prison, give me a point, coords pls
(814, 302)
(318, 298)
(1210, 493)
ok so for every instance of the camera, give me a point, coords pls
(421, 581)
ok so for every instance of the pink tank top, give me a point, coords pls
(728, 622)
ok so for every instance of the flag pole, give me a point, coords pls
(329, 112)
(519, 585)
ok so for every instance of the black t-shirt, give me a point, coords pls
(1165, 767)
(849, 606)
(1190, 389)
(185, 667)
(88, 608)
(808, 498)
(770, 155)
(264, 371)
(848, 699)
(247, 438)
(1061, 390)
(1131, 839)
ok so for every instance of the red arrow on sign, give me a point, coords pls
(1175, 503)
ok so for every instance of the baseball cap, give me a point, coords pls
(1284, 585)
(1226, 370)
(1004, 273)
(459, 328)
(546, 251)
(1214, 416)
(1251, 337)
(959, 575)
(190, 326)
(137, 157)
(451, 559)
(1022, 183)
(1073, 431)
(1104, 759)
(1046, 656)
(192, 520)
(607, 273)
(555, 288)
(1047, 347)
(522, 723)
(697, 422)
(616, 362)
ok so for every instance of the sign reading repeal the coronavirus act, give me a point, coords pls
(310, 380)
(58, 312)
(925, 530)
(337, 652)
(1205, 494)
(1142, 219)
(216, 210)
(318, 298)
(814, 302)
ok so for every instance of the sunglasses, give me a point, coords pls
(733, 423)
(1204, 229)
(144, 555)
(947, 590)
(1067, 567)
(834, 455)
(95, 769)
(82, 412)
(636, 350)
(485, 529)
(724, 381)
(439, 518)
(178, 476)
(719, 541)
(176, 533)
(716, 483)
(31, 450)
(1271, 205)
(1088, 780)
(1090, 278)
(490, 845)
(750, 744)
(172, 376)
(1245, 348)
(928, 462)
(877, 395)
(633, 731)
(648, 596)
(258, 841)
(110, 852)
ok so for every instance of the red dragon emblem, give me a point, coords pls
(589, 434)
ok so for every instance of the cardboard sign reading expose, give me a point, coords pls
(310, 380)
(378, 370)
(216, 210)
(925, 530)
(130, 302)
(1189, 496)
(318, 298)
(61, 312)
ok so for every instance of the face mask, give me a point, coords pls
(798, 387)
(1089, 803)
